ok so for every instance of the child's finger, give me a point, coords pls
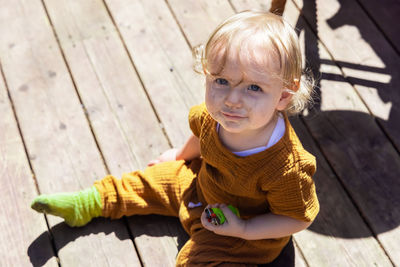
(227, 212)
(153, 162)
(225, 209)
(204, 221)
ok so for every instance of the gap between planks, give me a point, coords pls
(137, 73)
(125, 222)
(33, 175)
(378, 123)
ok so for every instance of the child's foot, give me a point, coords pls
(77, 209)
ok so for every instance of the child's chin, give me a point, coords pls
(232, 127)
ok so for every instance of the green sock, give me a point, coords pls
(77, 209)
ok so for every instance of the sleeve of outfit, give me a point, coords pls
(196, 118)
(294, 194)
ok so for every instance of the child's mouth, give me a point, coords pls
(232, 116)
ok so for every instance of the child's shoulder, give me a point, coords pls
(197, 116)
(294, 147)
(198, 110)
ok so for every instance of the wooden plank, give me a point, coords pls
(355, 146)
(299, 260)
(200, 17)
(365, 56)
(163, 60)
(339, 236)
(151, 235)
(159, 53)
(20, 225)
(125, 125)
(116, 103)
(241, 5)
(59, 142)
(384, 13)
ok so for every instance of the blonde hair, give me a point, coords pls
(271, 31)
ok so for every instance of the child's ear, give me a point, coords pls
(286, 96)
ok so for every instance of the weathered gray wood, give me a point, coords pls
(339, 236)
(299, 260)
(163, 60)
(384, 12)
(122, 118)
(159, 53)
(89, 55)
(61, 147)
(241, 5)
(365, 56)
(18, 223)
(200, 18)
(116, 103)
(152, 230)
(359, 152)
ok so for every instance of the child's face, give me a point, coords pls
(246, 94)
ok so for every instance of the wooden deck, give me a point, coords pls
(95, 87)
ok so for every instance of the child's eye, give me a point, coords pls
(254, 88)
(221, 81)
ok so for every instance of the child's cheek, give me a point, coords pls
(217, 95)
(214, 102)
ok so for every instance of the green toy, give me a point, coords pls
(217, 217)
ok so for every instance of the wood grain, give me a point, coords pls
(364, 55)
(122, 117)
(155, 232)
(163, 60)
(19, 224)
(339, 229)
(362, 156)
(103, 86)
(112, 94)
(200, 18)
(383, 12)
(58, 139)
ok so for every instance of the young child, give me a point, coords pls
(243, 152)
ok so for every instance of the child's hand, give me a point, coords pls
(233, 226)
(169, 155)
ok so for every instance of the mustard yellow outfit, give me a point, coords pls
(277, 180)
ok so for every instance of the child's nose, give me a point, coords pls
(233, 98)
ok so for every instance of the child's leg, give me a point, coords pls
(157, 190)
(77, 209)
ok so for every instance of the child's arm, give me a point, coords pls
(272, 226)
(190, 150)
(260, 227)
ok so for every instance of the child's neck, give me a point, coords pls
(247, 140)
